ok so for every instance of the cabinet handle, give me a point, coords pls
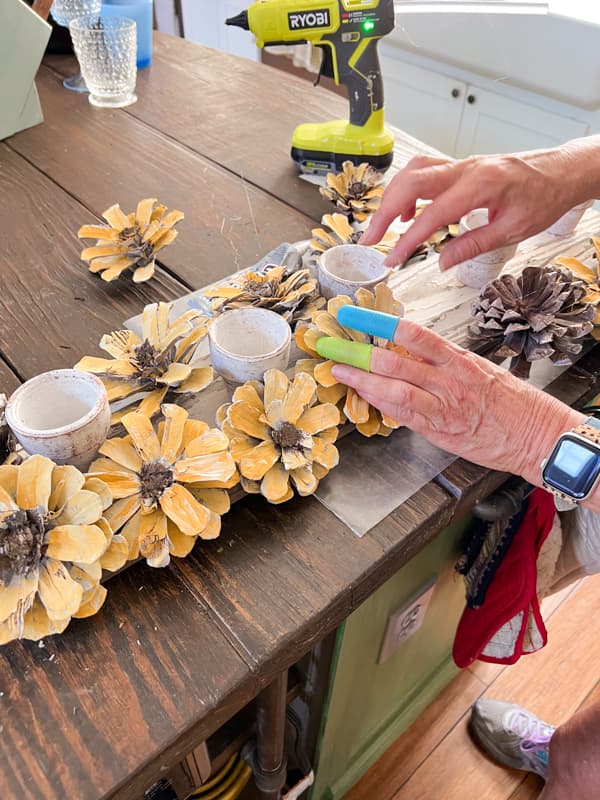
(471, 99)
(455, 93)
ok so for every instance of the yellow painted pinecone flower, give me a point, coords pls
(293, 295)
(355, 191)
(168, 489)
(337, 230)
(368, 420)
(54, 543)
(130, 241)
(590, 277)
(280, 433)
(158, 362)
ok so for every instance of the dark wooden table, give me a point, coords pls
(108, 707)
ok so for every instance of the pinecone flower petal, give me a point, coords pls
(129, 241)
(281, 435)
(541, 314)
(337, 230)
(368, 420)
(294, 295)
(54, 538)
(590, 278)
(159, 362)
(169, 485)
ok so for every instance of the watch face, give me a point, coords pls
(572, 467)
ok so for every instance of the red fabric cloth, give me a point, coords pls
(512, 590)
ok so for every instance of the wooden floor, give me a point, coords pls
(436, 760)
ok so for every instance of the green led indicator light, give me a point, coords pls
(368, 25)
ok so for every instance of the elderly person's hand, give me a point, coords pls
(524, 194)
(462, 402)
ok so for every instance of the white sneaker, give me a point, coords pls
(512, 735)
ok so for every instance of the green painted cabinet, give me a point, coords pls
(369, 703)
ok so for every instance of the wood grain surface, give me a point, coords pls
(240, 114)
(8, 380)
(117, 695)
(52, 310)
(281, 577)
(105, 157)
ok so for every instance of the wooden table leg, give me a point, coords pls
(270, 759)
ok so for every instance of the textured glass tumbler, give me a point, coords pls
(106, 49)
(64, 12)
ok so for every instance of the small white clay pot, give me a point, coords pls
(245, 342)
(63, 414)
(348, 267)
(569, 221)
(486, 267)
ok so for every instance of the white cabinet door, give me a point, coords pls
(422, 102)
(495, 124)
(205, 23)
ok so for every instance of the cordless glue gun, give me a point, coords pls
(347, 31)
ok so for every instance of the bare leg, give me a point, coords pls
(574, 758)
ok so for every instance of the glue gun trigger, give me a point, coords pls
(326, 67)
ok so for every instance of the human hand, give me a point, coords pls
(524, 194)
(461, 402)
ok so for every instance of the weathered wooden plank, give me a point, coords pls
(206, 100)
(8, 380)
(117, 698)
(281, 577)
(112, 157)
(52, 310)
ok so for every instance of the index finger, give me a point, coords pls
(419, 341)
(444, 210)
(404, 190)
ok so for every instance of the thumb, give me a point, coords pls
(472, 244)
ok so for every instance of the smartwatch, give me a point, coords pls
(572, 469)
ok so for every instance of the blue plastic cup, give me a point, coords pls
(141, 12)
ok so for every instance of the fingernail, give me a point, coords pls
(367, 320)
(355, 354)
(393, 259)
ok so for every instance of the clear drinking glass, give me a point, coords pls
(64, 12)
(106, 48)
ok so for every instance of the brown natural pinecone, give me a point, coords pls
(540, 314)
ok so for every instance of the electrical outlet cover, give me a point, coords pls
(406, 621)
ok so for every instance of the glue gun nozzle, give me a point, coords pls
(240, 20)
